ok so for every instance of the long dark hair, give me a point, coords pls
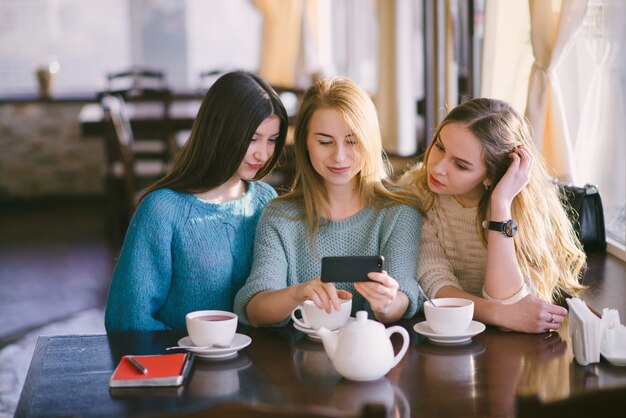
(230, 113)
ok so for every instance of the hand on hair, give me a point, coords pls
(516, 177)
(324, 295)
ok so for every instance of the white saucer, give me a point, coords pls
(474, 328)
(239, 341)
(615, 360)
(310, 332)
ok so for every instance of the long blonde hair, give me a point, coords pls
(546, 246)
(359, 114)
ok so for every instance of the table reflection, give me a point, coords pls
(217, 378)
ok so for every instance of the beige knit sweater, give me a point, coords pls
(451, 251)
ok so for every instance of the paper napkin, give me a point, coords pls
(613, 341)
(585, 331)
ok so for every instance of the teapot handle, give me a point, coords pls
(405, 344)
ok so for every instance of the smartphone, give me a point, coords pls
(350, 269)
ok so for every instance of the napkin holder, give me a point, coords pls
(585, 331)
(592, 336)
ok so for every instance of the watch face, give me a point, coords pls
(510, 228)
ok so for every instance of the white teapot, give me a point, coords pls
(362, 350)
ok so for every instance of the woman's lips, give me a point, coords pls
(434, 182)
(255, 166)
(338, 170)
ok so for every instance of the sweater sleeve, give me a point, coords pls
(269, 266)
(401, 255)
(143, 273)
(434, 270)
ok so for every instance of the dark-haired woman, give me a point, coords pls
(189, 244)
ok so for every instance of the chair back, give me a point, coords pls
(120, 176)
(127, 175)
(208, 77)
(147, 93)
(136, 78)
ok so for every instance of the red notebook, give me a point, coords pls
(162, 370)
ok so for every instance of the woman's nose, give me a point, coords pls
(260, 154)
(340, 153)
(440, 167)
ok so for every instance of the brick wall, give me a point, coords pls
(43, 154)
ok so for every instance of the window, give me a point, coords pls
(85, 38)
(89, 39)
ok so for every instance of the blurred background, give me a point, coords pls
(559, 61)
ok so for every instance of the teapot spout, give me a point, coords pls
(329, 340)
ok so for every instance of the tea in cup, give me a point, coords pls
(449, 316)
(316, 318)
(211, 327)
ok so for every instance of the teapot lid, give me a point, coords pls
(363, 322)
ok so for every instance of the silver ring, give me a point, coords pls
(551, 318)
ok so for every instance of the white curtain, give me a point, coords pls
(355, 43)
(600, 152)
(315, 58)
(553, 23)
(282, 30)
(399, 85)
(507, 53)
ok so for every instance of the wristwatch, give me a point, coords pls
(507, 228)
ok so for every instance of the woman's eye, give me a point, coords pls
(273, 140)
(438, 146)
(461, 166)
(325, 142)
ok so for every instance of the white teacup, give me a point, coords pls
(316, 318)
(449, 316)
(211, 327)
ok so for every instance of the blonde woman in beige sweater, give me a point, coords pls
(495, 230)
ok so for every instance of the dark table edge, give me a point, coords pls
(32, 376)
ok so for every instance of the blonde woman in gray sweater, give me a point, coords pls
(495, 230)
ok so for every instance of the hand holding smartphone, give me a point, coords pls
(350, 269)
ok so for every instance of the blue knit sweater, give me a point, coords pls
(283, 255)
(182, 254)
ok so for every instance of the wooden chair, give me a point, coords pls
(601, 403)
(208, 77)
(126, 176)
(240, 410)
(136, 78)
(146, 91)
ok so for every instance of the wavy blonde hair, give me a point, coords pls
(546, 246)
(359, 113)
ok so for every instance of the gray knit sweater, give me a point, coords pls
(283, 254)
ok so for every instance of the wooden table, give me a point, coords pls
(69, 375)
